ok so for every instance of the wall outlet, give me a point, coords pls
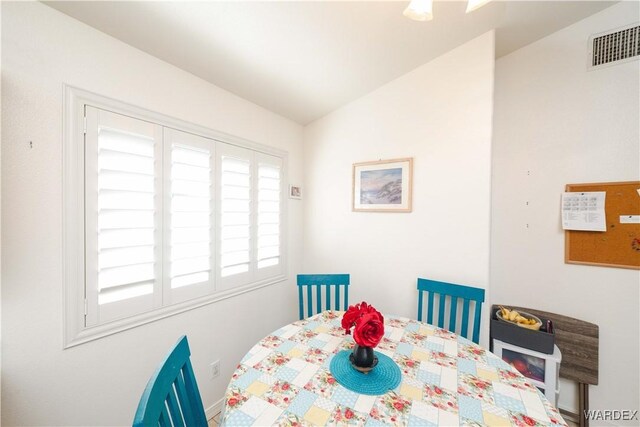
(214, 369)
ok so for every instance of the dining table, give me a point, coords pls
(444, 380)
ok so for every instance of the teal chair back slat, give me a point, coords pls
(454, 292)
(453, 315)
(171, 397)
(174, 409)
(338, 282)
(164, 420)
(327, 298)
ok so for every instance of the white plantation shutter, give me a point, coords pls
(269, 214)
(189, 160)
(160, 220)
(235, 214)
(123, 216)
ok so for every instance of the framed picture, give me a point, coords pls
(383, 186)
(295, 192)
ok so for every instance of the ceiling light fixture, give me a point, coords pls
(422, 10)
(475, 4)
(419, 10)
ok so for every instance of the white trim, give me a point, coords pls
(74, 330)
(212, 410)
(111, 328)
(72, 216)
(82, 96)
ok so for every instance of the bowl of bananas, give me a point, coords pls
(523, 319)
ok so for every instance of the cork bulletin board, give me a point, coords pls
(619, 245)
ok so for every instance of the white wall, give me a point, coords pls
(441, 115)
(0, 220)
(100, 383)
(557, 123)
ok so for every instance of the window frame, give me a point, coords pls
(73, 166)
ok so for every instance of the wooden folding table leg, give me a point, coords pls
(583, 403)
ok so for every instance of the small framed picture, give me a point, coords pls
(295, 192)
(383, 186)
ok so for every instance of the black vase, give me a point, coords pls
(363, 358)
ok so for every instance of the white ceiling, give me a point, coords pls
(304, 59)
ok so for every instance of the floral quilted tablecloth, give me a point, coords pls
(447, 380)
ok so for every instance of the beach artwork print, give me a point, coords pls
(383, 185)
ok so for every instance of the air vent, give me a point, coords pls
(617, 46)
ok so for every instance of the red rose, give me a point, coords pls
(350, 317)
(356, 311)
(285, 386)
(438, 390)
(398, 405)
(368, 323)
(528, 420)
(368, 330)
(370, 310)
(348, 413)
(232, 402)
(331, 380)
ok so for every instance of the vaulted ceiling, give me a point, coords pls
(304, 59)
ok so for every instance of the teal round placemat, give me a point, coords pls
(384, 377)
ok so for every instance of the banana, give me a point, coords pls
(504, 312)
(514, 316)
(521, 319)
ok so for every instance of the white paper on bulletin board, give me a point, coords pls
(584, 211)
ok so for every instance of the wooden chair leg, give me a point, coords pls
(583, 403)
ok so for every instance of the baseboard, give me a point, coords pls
(214, 409)
(569, 415)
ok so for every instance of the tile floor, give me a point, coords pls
(215, 420)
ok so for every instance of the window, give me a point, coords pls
(236, 191)
(122, 224)
(190, 258)
(269, 204)
(162, 216)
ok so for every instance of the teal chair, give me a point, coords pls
(338, 283)
(171, 397)
(444, 290)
